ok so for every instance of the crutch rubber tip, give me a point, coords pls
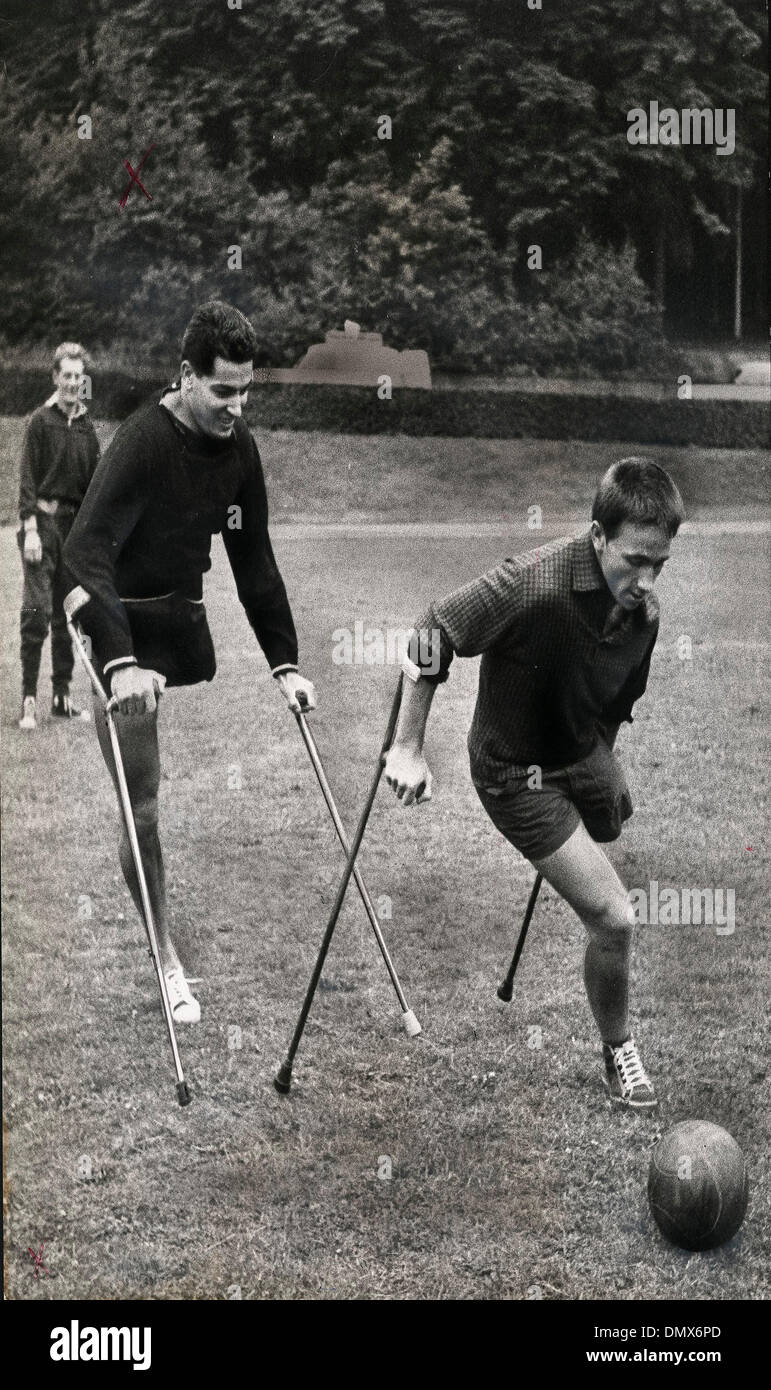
(283, 1079)
(505, 991)
(183, 1093)
(410, 1024)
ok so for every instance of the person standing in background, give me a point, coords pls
(58, 459)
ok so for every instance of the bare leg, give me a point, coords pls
(138, 735)
(583, 875)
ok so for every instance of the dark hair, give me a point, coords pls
(639, 491)
(217, 330)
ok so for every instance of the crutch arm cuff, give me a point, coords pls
(76, 599)
(119, 661)
(411, 670)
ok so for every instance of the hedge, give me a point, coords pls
(511, 415)
(483, 414)
(116, 393)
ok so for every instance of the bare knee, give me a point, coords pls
(610, 922)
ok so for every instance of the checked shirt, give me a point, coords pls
(560, 660)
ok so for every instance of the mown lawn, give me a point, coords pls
(318, 476)
(509, 1176)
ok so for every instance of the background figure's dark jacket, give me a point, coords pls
(58, 458)
(145, 529)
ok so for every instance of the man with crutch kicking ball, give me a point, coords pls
(180, 469)
(566, 635)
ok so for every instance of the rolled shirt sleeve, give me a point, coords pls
(467, 622)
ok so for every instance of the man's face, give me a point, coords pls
(216, 401)
(632, 561)
(67, 381)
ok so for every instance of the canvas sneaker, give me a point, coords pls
(63, 708)
(625, 1078)
(184, 1007)
(28, 713)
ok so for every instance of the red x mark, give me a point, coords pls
(135, 178)
(38, 1258)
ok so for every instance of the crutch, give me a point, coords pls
(183, 1093)
(409, 1021)
(506, 987)
(283, 1078)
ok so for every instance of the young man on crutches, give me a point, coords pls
(180, 469)
(566, 635)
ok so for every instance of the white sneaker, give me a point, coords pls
(626, 1080)
(184, 1008)
(28, 713)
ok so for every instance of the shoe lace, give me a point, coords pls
(175, 988)
(630, 1067)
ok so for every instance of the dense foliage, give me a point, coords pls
(508, 130)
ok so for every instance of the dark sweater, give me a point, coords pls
(58, 458)
(145, 527)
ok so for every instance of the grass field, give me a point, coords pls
(315, 476)
(509, 1176)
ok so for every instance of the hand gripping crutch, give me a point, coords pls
(283, 1078)
(506, 987)
(183, 1093)
(409, 1021)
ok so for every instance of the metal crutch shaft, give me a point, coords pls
(183, 1093)
(506, 987)
(283, 1078)
(410, 1022)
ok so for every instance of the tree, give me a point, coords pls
(507, 128)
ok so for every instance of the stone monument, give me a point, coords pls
(352, 358)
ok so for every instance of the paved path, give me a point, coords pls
(626, 390)
(470, 530)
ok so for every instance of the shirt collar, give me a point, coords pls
(80, 408)
(587, 573)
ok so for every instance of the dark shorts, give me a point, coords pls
(171, 635)
(539, 821)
